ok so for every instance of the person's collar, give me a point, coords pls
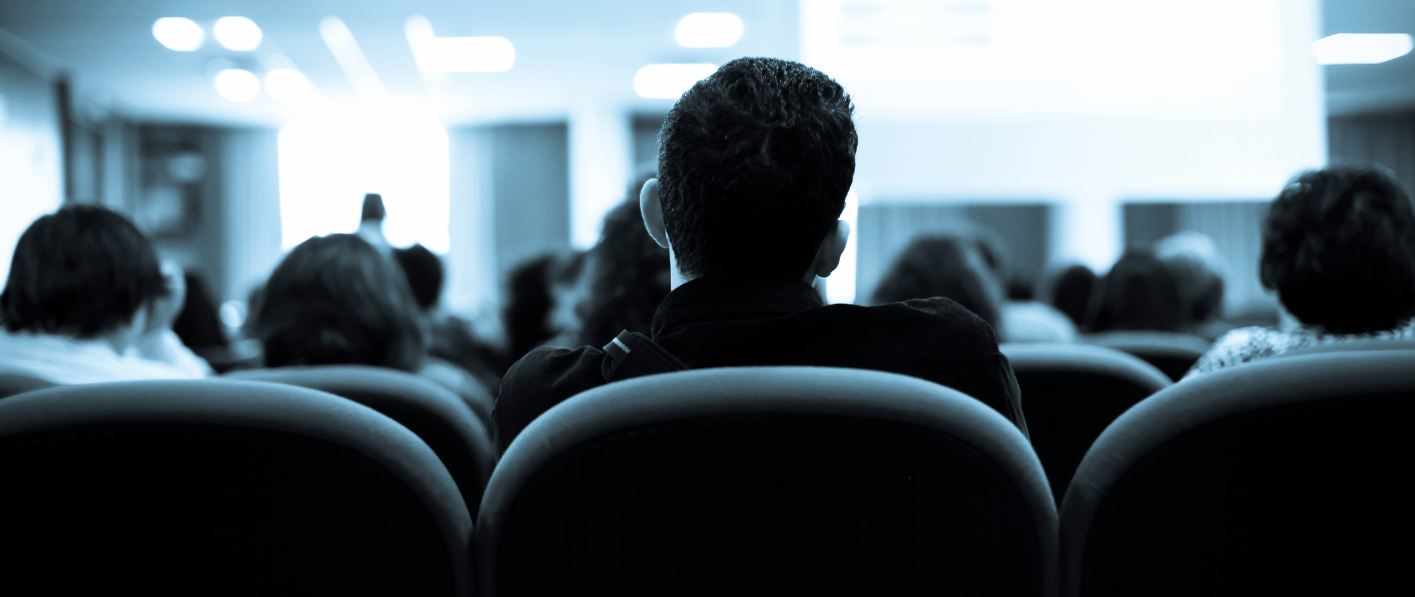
(733, 296)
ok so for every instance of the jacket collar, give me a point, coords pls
(732, 296)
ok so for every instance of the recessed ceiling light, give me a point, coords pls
(287, 85)
(669, 81)
(237, 33)
(708, 30)
(466, 54)
(237, 84)
(1361, 48)
(177, 33)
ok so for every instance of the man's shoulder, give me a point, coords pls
(923, 316)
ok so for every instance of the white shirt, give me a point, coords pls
(65, 360)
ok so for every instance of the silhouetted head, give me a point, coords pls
(424, 272)
(1339, 249)
(83, 271)
(946, 266)
(628, 276)
(531, 299)
(1198, 270)
(373, 208)
(334, 300)
(199, 323)
(754, 165)
(1070, 292)
(1138, 293)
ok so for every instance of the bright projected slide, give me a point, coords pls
(328, 164)
(1083, 103)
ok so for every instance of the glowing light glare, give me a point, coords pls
(669, 81)
(708, 30)
(1361, 48)
(287, 85)
(237, 33)
(179, 34)
(328, 163)
(356, 66)
(237, 85)
(466, 55)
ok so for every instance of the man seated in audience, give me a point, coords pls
(753, 171)
(86, 301)
(1339, 249)
(1198, 270)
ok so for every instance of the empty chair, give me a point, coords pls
(1284, 476)
(1171, 352)
(1070, 393)
(768, 480)
(11, 384)
(433, 412)
(224, 487)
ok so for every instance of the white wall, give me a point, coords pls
(31, 166)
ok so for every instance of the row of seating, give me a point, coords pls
(765, 480)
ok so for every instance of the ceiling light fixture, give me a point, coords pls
(708, 30)
(177, 33)
(457, 54)
(356, 66)
(1361, 48)
(238, 34)
(287, 85)
(669, 81)
(237, 84)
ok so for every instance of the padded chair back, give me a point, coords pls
(1170, 352)
(226, 487)
(11, 384)
(768, 480)
(1070, 393)
(431, 411)
(1282, 476)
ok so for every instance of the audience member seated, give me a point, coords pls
(1022, 319)
(198, 325)
(1069, 291)
(452, 340)
(1339, 250)
(334, 300)
(627, 276)
(371, 223)
(754, 165)
(1138, 294)
(87, 301)
(1198, 270)
(535, 313)
(944, 266)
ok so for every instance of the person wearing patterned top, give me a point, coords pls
(1339, 250)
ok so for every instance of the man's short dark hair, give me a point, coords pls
(82, 271)
(1339, 249)
(754, 165)
(425, 274)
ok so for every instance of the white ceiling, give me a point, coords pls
(569, 52)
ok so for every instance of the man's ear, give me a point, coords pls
(652, 210)
(832, 247)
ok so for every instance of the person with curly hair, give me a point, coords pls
(1339, 250)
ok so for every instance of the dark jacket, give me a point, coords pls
(734, 321)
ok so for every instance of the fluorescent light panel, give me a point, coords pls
(238, 34)
(356, 66)
(457, 54)
(669, 81)
(708, 30)
(237, 85)
(1361, 48)
(178, 34)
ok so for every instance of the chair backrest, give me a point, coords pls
(768, 480)
(431, 411)
(217, 486)
(1070, 393)
(1170, 352)
(11, 384)
(1283, 476)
